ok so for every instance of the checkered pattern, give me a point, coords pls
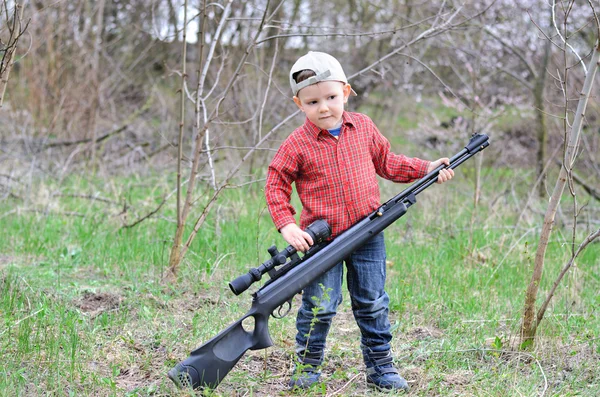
(336, 179)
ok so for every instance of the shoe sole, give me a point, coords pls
(386, 390)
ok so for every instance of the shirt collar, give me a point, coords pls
(311, 128)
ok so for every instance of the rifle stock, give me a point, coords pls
(210, 363)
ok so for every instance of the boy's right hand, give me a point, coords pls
(296, 237)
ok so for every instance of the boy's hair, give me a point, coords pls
(302, 75)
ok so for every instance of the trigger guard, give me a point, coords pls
(279, 312)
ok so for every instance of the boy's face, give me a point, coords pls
(323, 103)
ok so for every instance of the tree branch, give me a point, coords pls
(591, 237)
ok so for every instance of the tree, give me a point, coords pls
(205, 118)
(531, 319)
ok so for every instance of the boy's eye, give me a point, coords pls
(312, 102)
(332, 97)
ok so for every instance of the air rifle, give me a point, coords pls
(210, 363)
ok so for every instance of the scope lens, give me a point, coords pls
(320, 230)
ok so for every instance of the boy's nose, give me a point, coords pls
(323, 108)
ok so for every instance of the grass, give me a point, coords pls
(84, 310)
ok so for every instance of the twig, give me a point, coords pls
(211, 51)
(101, 138)
(219, 260)
(19, 321)
(393, 30)
(87, 196)
(10, 178)
(46, 212)
(591, 191)
(563, 39)
(200, 220)
(591, 237)
(596, 20)
(86, 140)
(148, 215)
(341, 389)
(437, 77)
(200, 102)
(511, 49)
(268, 149)
(507, 254)
(533, 189)
(266, 96)
(160, 149)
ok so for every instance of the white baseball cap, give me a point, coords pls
(326, 68)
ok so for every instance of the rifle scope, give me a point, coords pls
(319, 231)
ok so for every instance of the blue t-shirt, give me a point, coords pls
(335, 131)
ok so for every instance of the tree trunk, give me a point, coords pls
(542, 130)
(95, 110)
(175, 257)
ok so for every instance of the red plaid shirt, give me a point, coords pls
(335, 178)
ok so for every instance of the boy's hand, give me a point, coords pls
(296, 237)
(445, 174)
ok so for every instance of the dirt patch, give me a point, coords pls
(421, 333)
(139, 361)
(135, 378)
(458, 378)
(17, 260)
(6, 260)
(193, 301)
(96, 303)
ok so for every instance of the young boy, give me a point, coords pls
(334, 160)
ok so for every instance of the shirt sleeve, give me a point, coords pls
(278, 190)
(395, 167)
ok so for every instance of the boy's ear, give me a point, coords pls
(298, 103)
(347, 90)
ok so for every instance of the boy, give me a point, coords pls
(334, 160)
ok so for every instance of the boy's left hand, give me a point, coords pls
(445, 174)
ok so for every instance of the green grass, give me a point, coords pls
(84, 310)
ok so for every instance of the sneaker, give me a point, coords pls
(381, 373)
(307, 370)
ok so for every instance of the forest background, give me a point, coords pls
(134, 141)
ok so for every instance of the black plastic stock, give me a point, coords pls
(210, 363)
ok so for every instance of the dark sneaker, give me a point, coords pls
(381, 373)
(307, 370)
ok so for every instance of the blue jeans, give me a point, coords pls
(366, 281)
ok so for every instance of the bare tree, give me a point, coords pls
(204, 119)
(572, 131)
